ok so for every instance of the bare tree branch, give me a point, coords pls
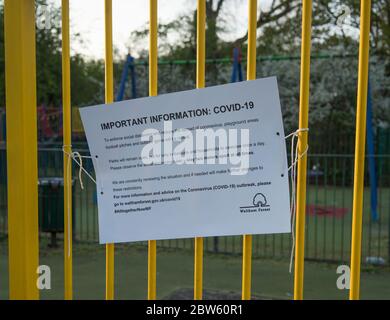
(219, 6)
(271, 16)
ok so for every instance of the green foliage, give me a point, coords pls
(87, 76)
(333, 83)
(279, 33)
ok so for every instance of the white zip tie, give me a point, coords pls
(295, 157)
(73, 156)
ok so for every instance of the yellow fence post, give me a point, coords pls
(200, 82)
(109, 83)
(22, 163)
(302, 146)
(152, 92)
(67, 141)
(360, 143)
(251, 75)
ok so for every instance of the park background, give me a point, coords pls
(330, 159)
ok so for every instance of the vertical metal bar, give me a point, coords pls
(251, 75)
(88, 210)
(316, 215)
(324, 233)
(344, 168)
(388, 231)
(22, 162)
(334, 166)
(67, 142)
(358, 186)
(369, 242)
(152, 92)
(80, 215)
(381, 187)
(379, 166)
(109, 84)
(281, 236)
(201, 44)
(95, 214)
(302, 145)
(200, 83)
(307, 237)
(4, 191)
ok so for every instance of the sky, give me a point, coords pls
(87, 18)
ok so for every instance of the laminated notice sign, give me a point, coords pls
(205, 162)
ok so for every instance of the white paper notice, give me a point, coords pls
(206, 162)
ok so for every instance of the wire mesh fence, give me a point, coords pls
(330, 157)
(328, 211)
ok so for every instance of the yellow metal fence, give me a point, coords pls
(19, 16)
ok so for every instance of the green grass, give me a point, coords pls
(175, 270)
(327, 238)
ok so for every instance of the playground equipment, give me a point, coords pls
(237, 69)
(129, 66)
(371, 159)
(22, 141)
(49, 120)
(49, 125)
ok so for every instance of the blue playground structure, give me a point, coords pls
(237, 69)
(371, 157)
(129, 66)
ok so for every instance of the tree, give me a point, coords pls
(2, 59)
(87, 76)
(279, 27)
